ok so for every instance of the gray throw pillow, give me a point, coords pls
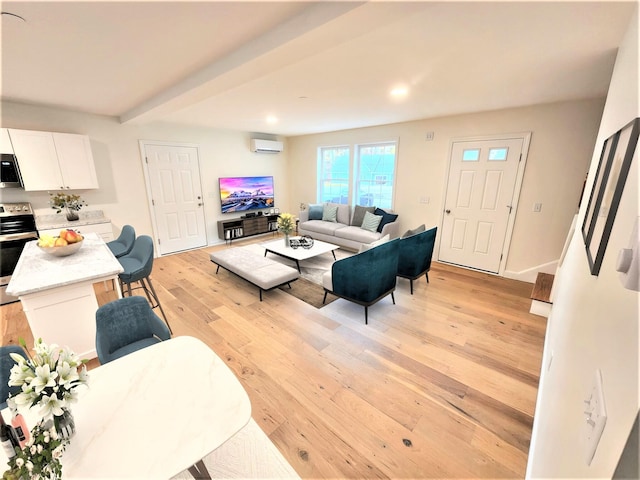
(330, 213)
(358, 214)
(410, 233)
(315, 211)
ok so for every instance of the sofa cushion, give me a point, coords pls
(386, 218)
(315, 211)
(344, 212)
(357, 234)
(416, 230)
(330, 213)
(364, 247)
(371, 222)
(358, 214)
(320, 226)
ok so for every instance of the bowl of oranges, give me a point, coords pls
(66, 243)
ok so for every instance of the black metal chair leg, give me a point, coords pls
(325, 297)
(427, 275)
(366, 315)
(155, 296)
(411, 284)
(393, 298)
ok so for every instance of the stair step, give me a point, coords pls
(542, 288)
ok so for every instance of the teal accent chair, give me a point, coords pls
(415, 255)
(124, 243)
(6, 364)
(125, 326)
(365, 278)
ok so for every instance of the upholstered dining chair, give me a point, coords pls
(137, 266)
(6, 363)
(125, 326)
(124, 243)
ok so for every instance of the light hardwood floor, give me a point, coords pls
(441, 385)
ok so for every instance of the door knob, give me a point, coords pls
(199, 204)
(447, 211)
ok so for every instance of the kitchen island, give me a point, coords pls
(57, 293)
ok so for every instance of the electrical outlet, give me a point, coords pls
(429, 136)
(424, 199)
(595, 417)
(537, 207)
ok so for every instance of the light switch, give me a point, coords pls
(595, 415)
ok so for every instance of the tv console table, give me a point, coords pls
(236, 228)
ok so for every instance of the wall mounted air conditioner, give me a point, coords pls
(265, 146)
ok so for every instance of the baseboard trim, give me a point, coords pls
(530, 274)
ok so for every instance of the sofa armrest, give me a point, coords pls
(303, 215)
(392, 229)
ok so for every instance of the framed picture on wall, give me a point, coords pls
(611, 176)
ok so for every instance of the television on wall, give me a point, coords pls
(241, 194)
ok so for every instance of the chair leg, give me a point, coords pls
(393, 298)
(411, 284)
(155, 297)
(427, 275)
(366, 315)
(325, 297)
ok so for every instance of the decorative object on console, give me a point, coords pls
(286, 225)
(68, 202)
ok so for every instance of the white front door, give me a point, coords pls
(173, 173)
(479, 202)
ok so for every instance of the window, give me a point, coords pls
(376, 164)
(333, 175)
(471, 155)
(373, 179)
(498, 154)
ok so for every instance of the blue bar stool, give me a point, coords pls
(137, 266)
(124, 243)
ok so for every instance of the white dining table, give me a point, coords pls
(154, 413)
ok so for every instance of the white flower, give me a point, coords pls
(52, 405)
(44, 378)
(29, 465)
(40, 448)
(57, 452)
(19, 374)
(19, 462)
(66, 374)
(33, 449)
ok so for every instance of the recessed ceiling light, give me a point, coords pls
(272, 119)
(399, 91)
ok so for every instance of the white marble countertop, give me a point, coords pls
(153, 413)
(59, 220)
(37, 270)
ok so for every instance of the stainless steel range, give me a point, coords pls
(17, 227)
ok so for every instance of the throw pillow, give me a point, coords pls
(368, 246)
(371, 221)
(315, 211)
(330, 213)
(386, 218)
(410, 233)
(358, 214)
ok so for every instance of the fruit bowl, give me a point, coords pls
(64, 250)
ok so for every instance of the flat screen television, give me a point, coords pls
(241, 194)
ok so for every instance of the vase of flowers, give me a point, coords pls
(286, 225)
(41, 456)
(49, 380)
(71, 204)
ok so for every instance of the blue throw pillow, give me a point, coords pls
(315, 211)
(386, 218)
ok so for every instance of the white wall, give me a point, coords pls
(563, 136)
(594, 320)
(122, 194)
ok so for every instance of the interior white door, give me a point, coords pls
(174, 180)
(479, 201)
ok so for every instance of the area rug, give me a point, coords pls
(308, 287)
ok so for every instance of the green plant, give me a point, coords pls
(60, 201)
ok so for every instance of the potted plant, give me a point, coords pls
(286, 225)
(69, 202)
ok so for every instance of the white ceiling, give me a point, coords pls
(316, 66)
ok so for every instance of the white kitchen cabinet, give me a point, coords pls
(54, 161)
(5, 142)
(104, 230)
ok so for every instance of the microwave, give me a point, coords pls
(9, 171)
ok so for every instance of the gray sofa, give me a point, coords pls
(346, 231)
